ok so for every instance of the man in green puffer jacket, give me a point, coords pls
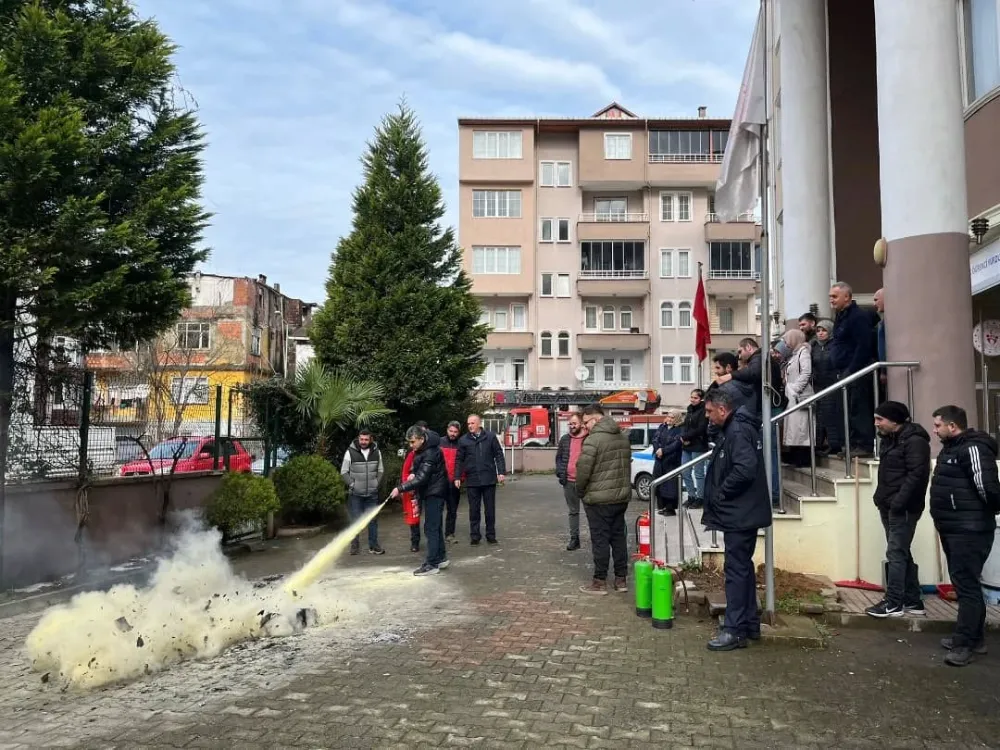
(603, 474)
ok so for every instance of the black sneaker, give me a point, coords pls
(414, 548)
(376, 550)
(355, 549)
(493, 541)
(915, 610)
(574, 544)
(426, 570)
(959, 657)
(474, 542)
(883, 609)
(948, 644)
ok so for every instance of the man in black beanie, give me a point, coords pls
(903, 473)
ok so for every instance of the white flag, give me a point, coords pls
(738, 188)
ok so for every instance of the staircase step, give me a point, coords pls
(801, 491)
(867, 467)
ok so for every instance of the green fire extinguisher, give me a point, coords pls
(643, 577)
(662, 598)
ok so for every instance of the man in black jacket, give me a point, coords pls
(737, 504)
(903, 472)
(965, 497)
(694, 439)
(480, 461)
(430, 481)
(851, 351)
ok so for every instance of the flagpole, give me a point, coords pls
(704, 299)
(765, 327)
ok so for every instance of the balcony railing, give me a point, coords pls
(614, 385)
(501, 385)
(721, 274)
(613, 216)
(624, 273)
(685, 158)
(746, 216)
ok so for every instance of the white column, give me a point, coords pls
(921, 128)
(805, 152)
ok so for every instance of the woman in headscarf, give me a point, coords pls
(829, 419)
(796, 368)
(667, 448)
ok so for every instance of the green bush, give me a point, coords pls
(241, 499)
(309, 489)
(393, 466)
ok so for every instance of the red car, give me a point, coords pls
(191, 453)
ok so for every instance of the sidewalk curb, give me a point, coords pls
(39, 602)
(860, 621)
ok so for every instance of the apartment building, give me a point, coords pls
(584, 239)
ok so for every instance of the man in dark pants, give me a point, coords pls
(965, 497)
(567, 456)
(449, 449)
(903, 472)
(603, 476)
(430, 481)
(738, 504)
(852, 351)
(480, 463)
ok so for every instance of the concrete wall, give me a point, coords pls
(40, 523)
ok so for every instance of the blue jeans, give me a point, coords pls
(357, 506)
(432, 509)
(694, 479)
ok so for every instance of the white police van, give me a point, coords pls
(642, 471)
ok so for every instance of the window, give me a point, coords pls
(519, 318)
(666, 263)
(730, 260)
(590, 317)
(553, 230)
(496, 145)
(189, 391)
(608, 318)
(562, 285)
(500, 320)
(617, 145)
(666, 315)
(193, 335)
(625, 365)
(499, 370)
(667, 368)
(611, 260)
(591, 365)
(726, 315)
(562, 234)
(484, 317)
(684, 264)
(687, 145)
(675, 206)
(555, 174)
(982, 47)
(546, 232)
(496, 204)
(255, 342)
(625, 316)
(547, 288)
(546, 339)
(687, 369)
(563, 344)
(711, 203)
(609, 370)
(610, 209)
(496, 260)
(683, 314)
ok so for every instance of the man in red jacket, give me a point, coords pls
(449, 447)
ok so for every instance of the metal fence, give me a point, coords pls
(71, 423)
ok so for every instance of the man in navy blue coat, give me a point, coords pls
(851, 351)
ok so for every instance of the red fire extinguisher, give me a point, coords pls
(642, 533)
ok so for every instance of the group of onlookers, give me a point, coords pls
(433, 472)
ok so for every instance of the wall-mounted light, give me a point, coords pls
(979, 228)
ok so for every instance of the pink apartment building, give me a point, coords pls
(583, 238)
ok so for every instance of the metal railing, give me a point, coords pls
(617, 273)
(874, 370)
(739, 274)
(602, 217)
(715, 158)
(746, 216)
(682, 514)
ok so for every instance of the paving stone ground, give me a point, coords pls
(503, 651)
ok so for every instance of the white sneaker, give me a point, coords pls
(444, 564)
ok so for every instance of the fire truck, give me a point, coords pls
(540, 418)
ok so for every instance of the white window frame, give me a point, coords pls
(514, 308)
(685, 305)
(502, 202)
(558, 233)
(501, 319)
(591, 365)
(673, 314)
(685, 360)
(552, 285)
(189, 390)
(563, 293)
(543, 338)
(969, 99)
(255, 339)
(617, 138)
(557, 167)
(732, 318)
(678, 254)
(481, 260)
(622, 312)
(486, 317)
(609, 215)
(607, 362)
(666, 252)
(607, 310)
(670, 204)
(597, 318)
(481, 145)
(501, 363)
(670, 359)
(560, 337)
(541, 229)
(624, 362)
(674, 206)
(200, 329)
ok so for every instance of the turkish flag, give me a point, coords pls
(702, 336)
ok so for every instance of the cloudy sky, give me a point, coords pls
(289, 92)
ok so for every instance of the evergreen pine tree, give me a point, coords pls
(399, 307)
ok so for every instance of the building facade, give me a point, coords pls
(584, 239)
(909, 91)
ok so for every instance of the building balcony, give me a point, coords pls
(683, 170)
(502, 385)
(613, 342)
(614, 283)
(504, 340)
(727, 342)
(732, 284)
(615, 385)
(613, 226)
(744, 229)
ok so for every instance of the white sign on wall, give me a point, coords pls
(984, 265)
